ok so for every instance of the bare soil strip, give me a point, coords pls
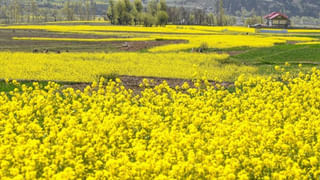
(133, 82)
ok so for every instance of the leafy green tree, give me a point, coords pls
(121, 9)
(68, 11)
(153, 7)
(163, 5)
(138, 5)
(221, 13)
(148, 20)
(128, 5)
(191, 19)
(34, 10)
(137, 12)
(162, 18)
(128, 13)
(112, 12)
(15, 11)
(254, 20)
(211, 19)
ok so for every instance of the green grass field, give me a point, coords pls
(279, 54)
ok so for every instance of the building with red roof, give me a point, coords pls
(277, 19)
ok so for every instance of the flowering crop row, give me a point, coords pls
(266, 129)
(61, 28)
(228, 41)
(73, 22)
(168, 29)
(213, 41)
(215, 37)
(84, 40)
(85, 67)
(311, 43)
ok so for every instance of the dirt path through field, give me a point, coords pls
(133, 82)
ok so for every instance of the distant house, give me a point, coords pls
(277, 20)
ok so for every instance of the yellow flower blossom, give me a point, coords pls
(267, 129)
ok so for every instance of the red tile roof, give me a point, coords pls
(274, 15)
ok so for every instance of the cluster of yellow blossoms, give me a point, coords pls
(265, 129)
(218, 41)
(223, 41)
(169, 28)
(86, 67)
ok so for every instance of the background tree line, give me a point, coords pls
(200, 16)
(121, 12)
(32, 11)
(125, 12)
(151, 12)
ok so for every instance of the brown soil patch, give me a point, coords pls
(7, 44)
(231, 53)
(234, 53)
(140, 45)
(133, 82)
(293, 42)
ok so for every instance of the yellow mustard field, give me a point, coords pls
(86, 67)
(224, 29)
(167, 29)
(193, 41)
(215, 37)
(71, 22)
(306, 43)
(177, 29)
(304, 30)
(83, 39)
(60, 28)
(265, 129)
(228, 41)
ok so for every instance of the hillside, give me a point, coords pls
(261, 7)
(233, 7)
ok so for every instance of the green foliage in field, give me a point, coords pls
(7, 87)
(281, 53)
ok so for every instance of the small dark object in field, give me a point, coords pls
(203, 46)
(35, 51)
(125, 44)
(67, 50)
(247, 33)
(58, 52)
(45, 51)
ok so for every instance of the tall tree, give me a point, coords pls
(128, 13)
(93, 10)
(152, 7)
(15, 11)
(138, 5)
(68, 10)
(163, 5)
(162, 18)
(125, 12)
(221, 13)
(162, 15)
(121, 10)
(138, 12)
(34, 11)
(87, 9)
(112, 12)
